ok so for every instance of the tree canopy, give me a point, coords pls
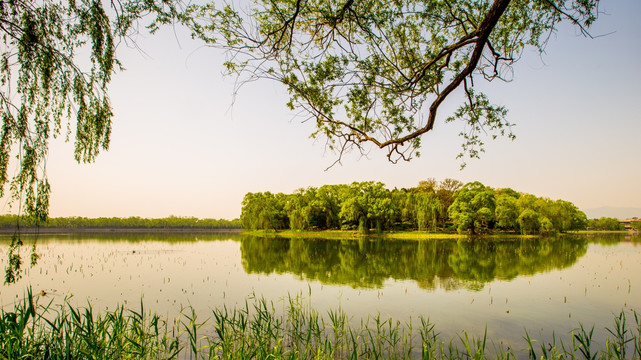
(376, 72)
(56, 61)
(431, 206)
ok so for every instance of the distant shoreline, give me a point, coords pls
(112, 230)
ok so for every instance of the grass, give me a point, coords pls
(353, 234)
(254, 331)
(602, 232)
(394, 235)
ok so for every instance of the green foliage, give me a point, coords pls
(507, 211)
(377, 72)
(606, 223)
(529, 222)
(33, 331)
(367, 205)
(56, 61)
(264, 211)
(256, 330)
(473, 208)
(360, 205)
(431, 206)
(428, 208)
(134, 222)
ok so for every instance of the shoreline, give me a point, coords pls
(327, 234)
(353, 234)
(113, 230)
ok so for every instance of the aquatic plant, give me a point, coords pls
(257, 330)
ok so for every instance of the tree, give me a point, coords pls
(376, 72)
(56, 61)
(328, 203)
(507, 211)
(473, 208)
(406, 202)
(529, 222)
(264, 211)
(567, 216)
(606, 223)
(365, 204)
(445, 192)
(297, 210)
(428, 185)
(428, 208)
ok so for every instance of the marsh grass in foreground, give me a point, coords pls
(255, 331)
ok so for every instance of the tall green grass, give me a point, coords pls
(256, 331)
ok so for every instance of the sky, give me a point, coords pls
(184, 144)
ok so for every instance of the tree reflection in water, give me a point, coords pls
(447, 264)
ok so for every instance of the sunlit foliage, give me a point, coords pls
(431, 206)
(375, 73)
(134, 222)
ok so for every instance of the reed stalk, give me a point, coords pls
(256, 330)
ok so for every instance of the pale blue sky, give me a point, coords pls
(181, 146)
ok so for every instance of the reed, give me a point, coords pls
(256, 330)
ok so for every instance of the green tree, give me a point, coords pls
(529, 222)
(507, 211)
(473, 208)
(606, 223)
(428, 208)
(377, 72)
(406, 203)
(327, 203)
(568, 217)
(56, 61)
(264, 211)
(365, 205)
(297, 210)
(445, 192)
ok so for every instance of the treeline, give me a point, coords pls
(134, 222)
(605, 223)
(431, 206)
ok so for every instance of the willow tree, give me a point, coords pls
(56, 61)
(375, 73)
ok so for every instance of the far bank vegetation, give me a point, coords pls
(133, 222)
(446, 206)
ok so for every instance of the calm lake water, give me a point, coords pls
(505, 285)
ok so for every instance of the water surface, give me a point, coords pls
(505, 285)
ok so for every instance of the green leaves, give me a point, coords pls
(44, 85)
(473, 208)
(56, 63)
(376, 72)
(480, 118)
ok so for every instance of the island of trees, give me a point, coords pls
(433, 206)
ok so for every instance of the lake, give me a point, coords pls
(505, 285)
